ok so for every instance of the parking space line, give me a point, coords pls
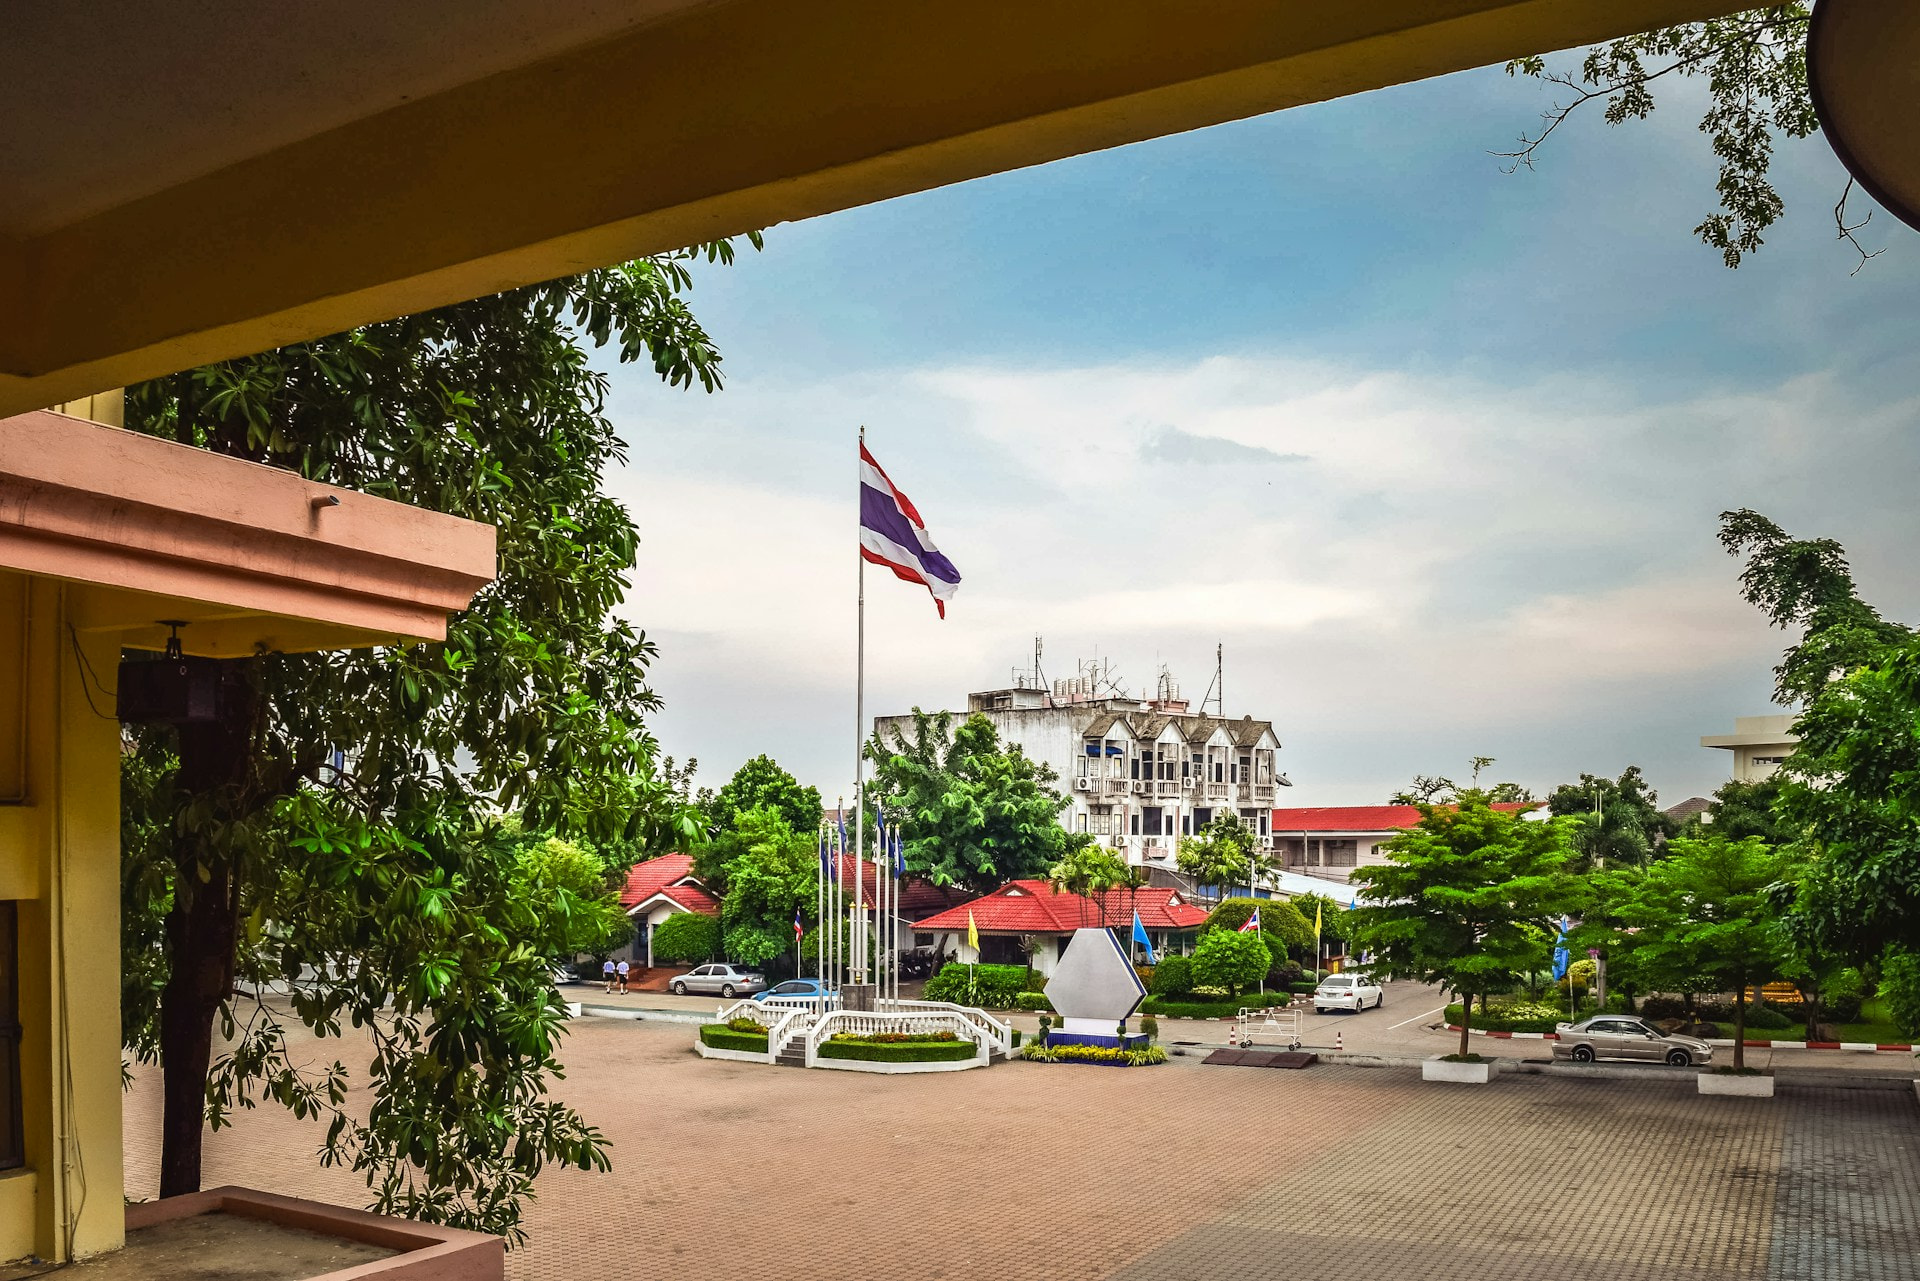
(1416, 1018)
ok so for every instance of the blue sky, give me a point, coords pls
(1433, 449)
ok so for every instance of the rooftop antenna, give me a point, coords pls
(1217, 688)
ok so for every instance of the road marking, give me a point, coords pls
(1416, 1018)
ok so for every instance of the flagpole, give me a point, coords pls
(859, 718)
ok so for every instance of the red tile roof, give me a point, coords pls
(1036, 907)
(665, 875)
(1361, 818)
(918, 897)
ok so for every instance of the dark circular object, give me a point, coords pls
(1679, 1058)
(1582, 1054)
(1863, 67)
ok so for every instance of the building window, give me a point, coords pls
(1136, 824)
(12, 1147)
(1340, 853)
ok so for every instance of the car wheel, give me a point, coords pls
(679, 989)
(1679, 1058)
(1583, 1054)
(726, 990)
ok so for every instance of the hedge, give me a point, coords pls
(686, 936)
(996, 987)
(718, 1036)
(1222, 1009)
(1519, 1017)
(899, 1051)
(1172, 977)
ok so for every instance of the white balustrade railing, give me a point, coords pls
(874, 1022)
(997, 1033)
(784, 1019)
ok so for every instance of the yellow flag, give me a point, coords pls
(1316, 920)
(973, 935)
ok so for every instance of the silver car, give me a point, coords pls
(720, 980)
(1621, 1036)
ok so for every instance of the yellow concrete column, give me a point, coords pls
(60, 860)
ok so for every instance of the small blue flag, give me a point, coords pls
(1560, 953)
(899, 855)
(1140, 937)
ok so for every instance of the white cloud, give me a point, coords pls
(1455, 562)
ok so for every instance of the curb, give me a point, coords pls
(1855, 1047)
(644, 1015)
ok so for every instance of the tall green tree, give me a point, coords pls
(1619, 820)
(1708, 909)
(1219, 855)
(1754, 65)
(761, 782)
(771, 871)
(972, 812)
(1468, 897)
(1437, 789)
(336, 825)
(1741, 809)
(576, 888)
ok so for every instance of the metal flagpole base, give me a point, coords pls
(858, 996)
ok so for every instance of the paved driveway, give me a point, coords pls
(745, 1173)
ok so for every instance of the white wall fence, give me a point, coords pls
(810, 1020)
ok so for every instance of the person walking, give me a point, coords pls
(623, 978)
(607, 973)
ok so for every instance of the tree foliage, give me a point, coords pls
(337, 825)
(1618, 820)
(576, 888)
(972, 813)
(686, 937)
(761, 782)
(1740, 810)
(1469, 897)
(770, 872)
(1219, 855)
(1281, 923)
(1231, 960)
(1438, 789)
(1754, 64)
(1706, 913)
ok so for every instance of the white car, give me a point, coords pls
(1353, 992)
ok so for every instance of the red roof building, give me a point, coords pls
(1037, 909)
(670, 878)
(1330, 841)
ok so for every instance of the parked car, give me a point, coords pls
(1618, 1036)
(1353, 992)
(804, 989)
(720, 980)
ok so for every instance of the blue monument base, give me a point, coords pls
(1131, 1041)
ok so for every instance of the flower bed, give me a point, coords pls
(1515, 1016)
(1107, 1056)
(722, 1036)
(899, 1047)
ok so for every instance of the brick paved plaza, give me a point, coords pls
(743, 1173)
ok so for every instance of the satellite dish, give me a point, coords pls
(1863, 65)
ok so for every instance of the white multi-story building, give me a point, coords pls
(1141, 772)
(1760, 746)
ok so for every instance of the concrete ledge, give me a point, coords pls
(1436, 1068)
(861, 1065)
(427, 1252)
(695, 1017)
(706, 1051)
(1743, 1087)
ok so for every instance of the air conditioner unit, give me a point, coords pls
(1189, 783)
(1083, 785)
(1138, 786)
(1119, 842)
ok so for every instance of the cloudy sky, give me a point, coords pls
(1436, 452)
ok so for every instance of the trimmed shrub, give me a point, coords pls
(1510, 1015)
(1032, 1001)
(1231, 960)
(1172, 977)
(894, 1038)
(869, 1051)
(1303, 988)
(749, 1026)
(1039, 1052)
(1842, 997)
(1224, 1008)
(718, 1036)
(1150, 1027)
(687, 937)
(996, 987)
(1768, 1019)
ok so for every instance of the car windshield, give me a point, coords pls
(1338, 980)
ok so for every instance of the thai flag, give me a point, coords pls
(1252, 925)
(799, 930)
(892, 534)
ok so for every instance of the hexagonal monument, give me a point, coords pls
(1094, 988)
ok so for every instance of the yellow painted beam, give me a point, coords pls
(728, 117)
